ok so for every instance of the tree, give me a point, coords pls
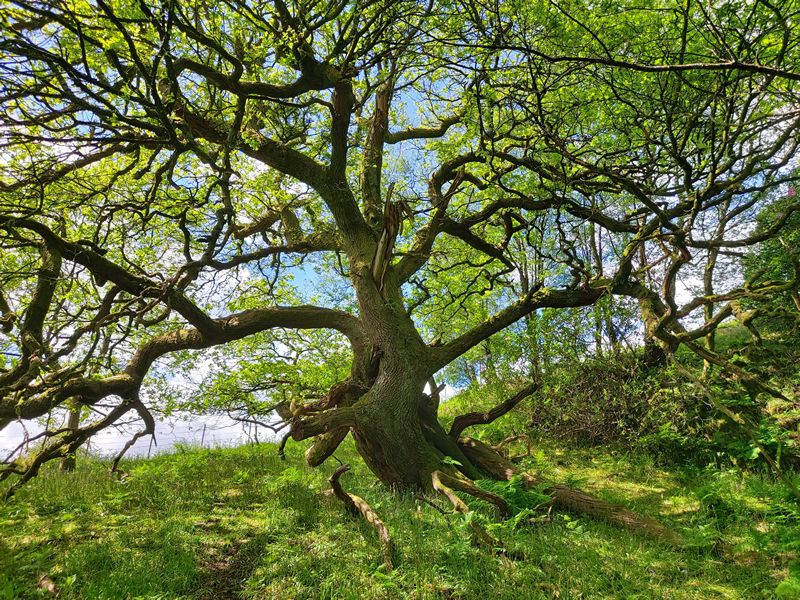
(776, 258)
(171, 166)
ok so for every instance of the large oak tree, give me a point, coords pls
(179, 175)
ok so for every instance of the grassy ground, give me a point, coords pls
(240, 523)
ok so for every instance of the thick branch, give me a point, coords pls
(60, 446)
(268, 151)
(105, 270)
(225, 329)
(422, 133)
(315, 76)
(372, 161)
(482, 418)
(537, 298)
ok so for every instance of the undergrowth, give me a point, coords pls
(613, 401)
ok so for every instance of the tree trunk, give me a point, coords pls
(398, 435)
(393, 422)
(390, 438)
(68, 463)
(654, 353)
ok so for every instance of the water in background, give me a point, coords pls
(181, 428)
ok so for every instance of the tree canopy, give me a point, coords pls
(245, 178)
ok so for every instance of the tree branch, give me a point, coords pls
(461, 422)
(537, 298)
(423, 133)
(38, 400)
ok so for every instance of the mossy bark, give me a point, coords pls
(69, 462)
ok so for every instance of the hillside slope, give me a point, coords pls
(240, 523)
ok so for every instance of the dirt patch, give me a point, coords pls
(226, 570)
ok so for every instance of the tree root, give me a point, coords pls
(465, 485)
(324, 446)
(570, 499)
(491, 461)
(480, 536)
(355, 506)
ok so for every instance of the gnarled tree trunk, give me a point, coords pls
(398, 434)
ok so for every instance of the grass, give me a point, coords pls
(240, 523)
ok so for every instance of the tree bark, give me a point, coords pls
(654, 354)
(69, 462)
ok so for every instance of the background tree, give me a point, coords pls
(179, 177)
(776, 257)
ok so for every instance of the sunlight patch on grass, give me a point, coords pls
(174, 529)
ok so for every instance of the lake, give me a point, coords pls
(180, 428)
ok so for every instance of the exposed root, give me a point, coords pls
(325, 445)
(356, 505)
(480, 536)
(577, 501)
(465, 485)
(567, 498)
(439, 439)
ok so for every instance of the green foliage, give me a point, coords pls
(519, 499)
(788, 590)
(772, 260)
(190, 525)
(612, 400)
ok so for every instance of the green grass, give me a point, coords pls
(240, 523)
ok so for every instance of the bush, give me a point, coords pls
(612, 400)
